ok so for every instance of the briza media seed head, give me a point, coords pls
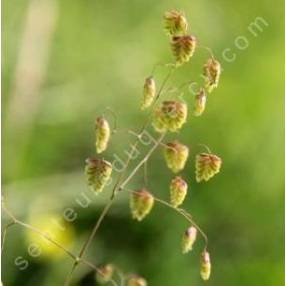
(188, 239)
(170, 116)
(207, 165)
(141, 204)
(98, 173)
(175, 23)
(136, 281)
(200, 102)
(211, 73)
(102, 134)
(149, 92)
(176, 155)
(205, 265)
(104, 274)
(178, 191)
(183, 48)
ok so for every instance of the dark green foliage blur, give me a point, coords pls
(99, 54)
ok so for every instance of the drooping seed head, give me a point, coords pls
(176, 155)
(149, 92)
(175, 23)
(178, 191)
(136, 281)
(104, 274)
(188, 239)
(200, 102)
(102, 134)
(183, 48)
(205, 265)
(98, 172)
(211, 72)
(170, 116)
(207, 165)
(141, 204)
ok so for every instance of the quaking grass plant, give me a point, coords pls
(167, 116)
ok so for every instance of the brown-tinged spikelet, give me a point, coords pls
(141, 204)
(176, 155)
(102, 134)
(149, 92)
(183, 48)
(104, 274)
(98, 172)
(189, 238)
(178, 191)
(205, 265)
(211, 72)
(207, 165)
(136, 281)
(175, 22)
(200, 102)
(170, 116)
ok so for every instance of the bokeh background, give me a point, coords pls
(64, 61)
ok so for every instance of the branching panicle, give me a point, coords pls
(166, 116)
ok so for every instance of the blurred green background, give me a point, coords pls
(63, 61)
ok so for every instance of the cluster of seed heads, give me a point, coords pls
(169, 116)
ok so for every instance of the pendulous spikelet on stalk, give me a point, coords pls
(104, 274)
(136, 281)
(178, 191)
(176, 155)
(211, 73)
(207, 165)
(175, 23)
(98, 173)
(102, 134)
(141, 204)
(200, 102)
(170, 116)
(205, 265)
(183, 48)
(188, 239)
(149, 92)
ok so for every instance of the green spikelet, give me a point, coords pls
(178, 191)
(141, 204)
(207, 165)
(189, 238)
(176, 155)
(183, 48)
(105, 273)
(200, 102)
(136, 281)
(102, 134)
(149, 92)
(205, 266)
(175, 23)
(170, 116)
(211, 72)
(98, 172)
